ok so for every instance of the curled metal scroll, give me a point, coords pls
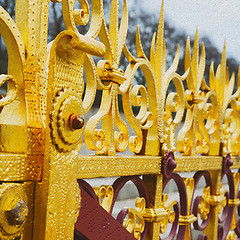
(12, 89)
(179, 208)
(117, 186)
(227, 212)
(202, 205)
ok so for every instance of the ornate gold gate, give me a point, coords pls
(43, 126)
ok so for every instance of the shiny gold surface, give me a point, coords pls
(105, 196)
(14, 209)
(100, 166)
(44, 124)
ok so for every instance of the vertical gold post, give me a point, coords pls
(212, 228)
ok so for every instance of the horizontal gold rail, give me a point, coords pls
(15, 167)
(20, 167)
(198, 163)
(109, 166)
(236, 162)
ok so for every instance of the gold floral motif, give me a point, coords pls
(204, 206)
(162, 215)
(213, 200)
(105, 196)
(189, 218)
(229, 105)
(170, 217)
(113, 136)
(200, 132)
(135, 223)
(173, 102)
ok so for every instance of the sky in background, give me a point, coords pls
(217, 19)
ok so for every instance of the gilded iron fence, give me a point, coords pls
(51, 88)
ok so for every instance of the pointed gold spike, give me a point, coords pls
(159, 46)
(195, 57)
(223, 65)
(163, 59)
(139, 48)
(187, 65)
(113, 26)
(225, 89)
(211, 77)
(187, 62)
(222, 77)
(152, 52)
(230, 86)
(174, 65)
(201, 67)
(122, 34)
(217, 82)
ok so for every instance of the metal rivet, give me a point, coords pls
(18, 212)
(76, 121)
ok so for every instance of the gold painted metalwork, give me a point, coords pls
(174, 102)
(229, 103)
(234, 203)
(135, 223)
(204, 207)
(189, 218)
(105, 196)
(43, 123)
(231, 236)
(215, 200)
(200, 133)
(170, 216)
(137, 217)
(162, 215)
(13, 210)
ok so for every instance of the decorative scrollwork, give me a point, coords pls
(137, 217)
(201, 204)
(200, 132)
(168, 164)
(105, 196)
(226, 210)
(113, 82)
(204, 206)
(180, 209)
(150, 125)
(174, 102)
(228, 102)
(12, 89)
(110, 140)
(172, 216)
(135, 223)
(73, 17)
(138, 96)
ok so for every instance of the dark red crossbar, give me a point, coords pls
(95, 223)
